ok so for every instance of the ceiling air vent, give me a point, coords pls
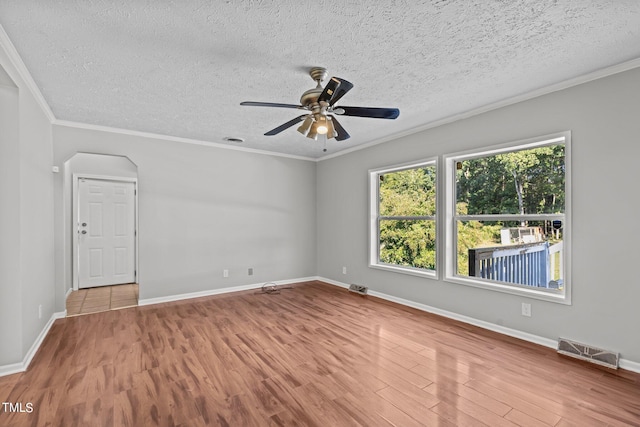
(233, 139)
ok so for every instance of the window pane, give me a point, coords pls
(410, 192)
(526, 253)
(519, 182)
(410, 243)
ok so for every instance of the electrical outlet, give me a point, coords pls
(344, 270)
(225, 273)
(526, 309)
(251, 272)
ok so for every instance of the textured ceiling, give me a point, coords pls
(181, 68)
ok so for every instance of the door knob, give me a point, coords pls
(84, 224)
(84, 231)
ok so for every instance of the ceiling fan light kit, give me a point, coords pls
(319, 102)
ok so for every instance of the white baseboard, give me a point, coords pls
(546, 342)
(22, 366)
(209, 292)
(68, 293)
(14, 368)
(629, 365)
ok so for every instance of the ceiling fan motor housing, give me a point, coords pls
(310, 96)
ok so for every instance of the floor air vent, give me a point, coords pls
(588, 353)
(358, 289)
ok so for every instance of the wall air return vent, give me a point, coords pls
(358, 289)
(585, 352)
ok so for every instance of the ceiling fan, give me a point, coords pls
(319, 103)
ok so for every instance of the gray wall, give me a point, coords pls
(204, 209)
(26, 217)
(10, 290)
(36, 219)
(603, 118)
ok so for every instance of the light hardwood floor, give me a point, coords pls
(314, 355)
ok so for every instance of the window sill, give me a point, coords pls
(431, 274)
(558, 298)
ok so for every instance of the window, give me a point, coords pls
(403, 218)
(507, 218)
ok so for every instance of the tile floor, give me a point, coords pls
(104, 298)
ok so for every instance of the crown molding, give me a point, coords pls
(78, 125)
(23, 73)
(566, 84)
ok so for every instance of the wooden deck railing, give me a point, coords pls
(524, 264)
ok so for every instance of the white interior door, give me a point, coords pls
(106, 232)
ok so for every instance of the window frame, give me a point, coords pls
(451, 219)
(375, 218)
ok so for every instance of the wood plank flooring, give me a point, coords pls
(314, 355)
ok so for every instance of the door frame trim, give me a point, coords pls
(76, 177)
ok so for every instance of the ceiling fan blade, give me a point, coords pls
(286, 125)
(329, 90)
(376, 113)
(269, 104)
(341, 91)
(342, 134)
